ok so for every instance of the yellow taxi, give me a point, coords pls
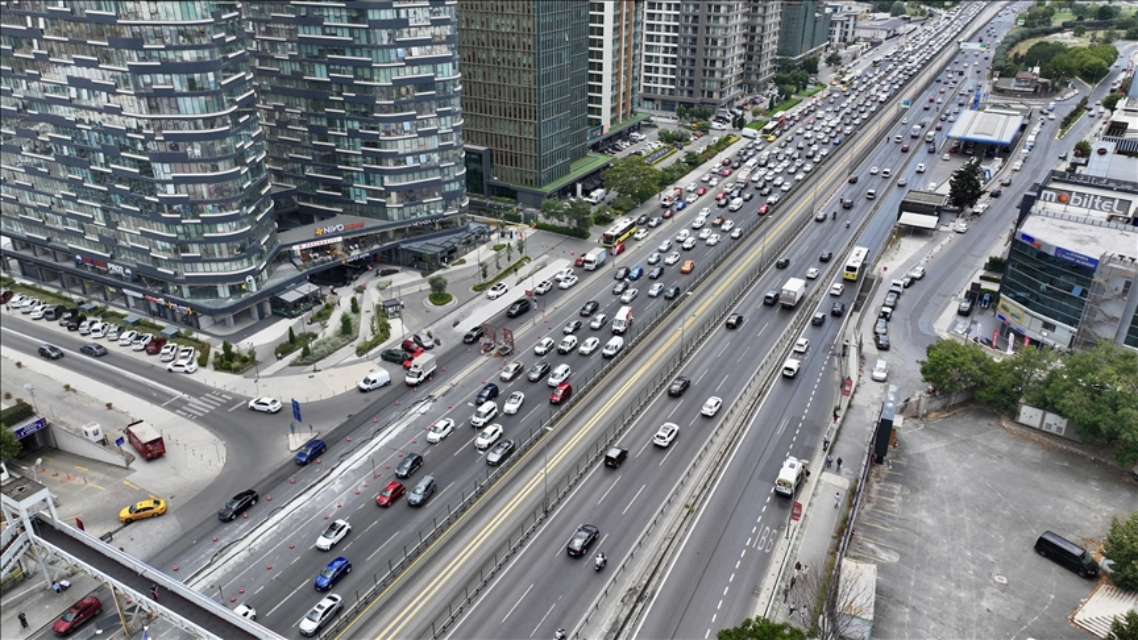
(146, 509)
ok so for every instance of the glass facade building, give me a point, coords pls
(615, 40)
(525, 87)
(360, 106)
(133, 160)
(805, 28)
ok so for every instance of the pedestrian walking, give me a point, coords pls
(792, 608)
(797, 567)
(825, 443)
(23, 620)
(837, 499)
(154, 590)
(829, 461)
(839, 464)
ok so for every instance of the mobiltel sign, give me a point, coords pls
(1101, 203)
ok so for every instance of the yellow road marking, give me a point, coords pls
(395, 628)
(132, 485)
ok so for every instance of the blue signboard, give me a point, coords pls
(296, 411)
(1077, 258)
(29, 428)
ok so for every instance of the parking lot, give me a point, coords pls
(951, 518)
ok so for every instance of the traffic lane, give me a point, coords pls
(711, 583)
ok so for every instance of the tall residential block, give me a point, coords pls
(615, 39)
(133, 162)
(524, 93)
(805, 28)
(760, 62)
(360, 103)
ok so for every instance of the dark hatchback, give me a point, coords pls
(584, 538)
(409, 465)
(679, 386)
(237, 504)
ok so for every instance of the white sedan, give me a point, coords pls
(711, 407)
(628, 296)
(589, 346)
(488, 436)
(873, 171)
(182, 366)
(640, 234)
(672, 258)
(497, 291)
(712, 240)
(727, 226)
(960, 227)
(802, 345)
(335, 532)
(568, 344)
(568, 282)
(837, 289)
(543, 346)
(440, 430)
(812, 273)
(666, 434)
(543, 287)
(513, 403)
(266, 404)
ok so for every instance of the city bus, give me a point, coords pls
(769, 131)
(877, 62)
(856, 264)
(621, 230)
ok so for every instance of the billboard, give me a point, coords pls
(1073, 257)
(973, 46)
(1100, 202)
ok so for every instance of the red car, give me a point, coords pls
(617, 249)
(763, 210)
(414, 353)
(726, 162)
(392, 492)
(79, 613)
(726, 172)
(721, 195)
(667, 214)
(563, 392)
(904, 148)
(580, 261)
(701, 191)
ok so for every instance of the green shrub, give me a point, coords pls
(439, 299)
(293, 343)
(16, 413)
(505, 273)
(380, 332)
(324, 312)
(565, 231)
(324, 347)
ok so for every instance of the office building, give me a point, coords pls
(133, 162)
(525, 95)
(694, 53)
(360, 105)
(1072, 264)
(616, 34)
(843, 23)
(805, 29)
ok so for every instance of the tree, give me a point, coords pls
(897, 9)
(1111, 101)
(553, 209)
(9, 444)
(831, 603)
(345, 325)
(1079, 31)
(953, 367)
(355, 304)
(965, 187)
(578, 215)
(682, 112)
(1008, 381)
(759, 628)
(1122, 547)
(631, 176)
(1083, 149)
(604, 215)
(1124, 627)
(810, 65)
(834, 59)
(1105, 12)
(1097, 391)
(291, 336)
(438, 284)
(738, 122)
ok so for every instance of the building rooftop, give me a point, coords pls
(923, 197)
(1086, 236)
(986, 126)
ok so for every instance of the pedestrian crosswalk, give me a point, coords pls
(196, 407)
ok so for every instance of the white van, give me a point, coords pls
(613, 347)
(735, 205)
(790, 477)
(375, 380)
(749, 133)
(487, 412)
(930, 137)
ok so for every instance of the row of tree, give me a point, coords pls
(1059, 62)
(1097, 390)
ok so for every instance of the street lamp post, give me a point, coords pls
(257, 366)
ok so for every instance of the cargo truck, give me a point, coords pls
(422, 367)
(792, 293)
(594, 259)
(145, 439)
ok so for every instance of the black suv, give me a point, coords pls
(679, 386)
(881, 340)
(410, 464)
(488, 393)
(734, 321)
(782, 263)
(589, 308)
(519, 307)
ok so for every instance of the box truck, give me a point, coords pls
(422, 367)
(594, 259)
(623, 320)
(792, 292)
(145, 439)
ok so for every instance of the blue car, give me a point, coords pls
(488, 393)
(335, 570)
(636, 273)
(310, 450)
(681, 205)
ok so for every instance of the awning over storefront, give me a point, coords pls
(131, 320)
(919, 220)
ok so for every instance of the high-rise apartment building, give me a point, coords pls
(805, 28)
(145, 144)
(133, 166)
(615, 40)
(760, 62)
(359, 102)
(524, 93)
(694, 53)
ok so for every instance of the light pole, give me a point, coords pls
(257, 366)
(32, 392)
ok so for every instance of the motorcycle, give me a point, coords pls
(601, 561)
(834, 215)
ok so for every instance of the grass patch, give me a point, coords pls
(786, 106)
(670, 153)
(323, 313)
(439, 299)
(505, 273)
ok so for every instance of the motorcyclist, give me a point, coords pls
(834, 215)
(847, 224)
(601, 559)
(559, 634)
